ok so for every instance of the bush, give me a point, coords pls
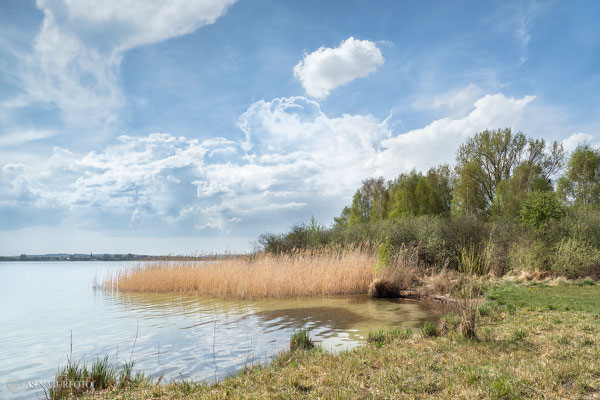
(576, 259)
(529, 255)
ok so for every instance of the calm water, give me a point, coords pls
(44, 303)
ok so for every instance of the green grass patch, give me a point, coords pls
(580, 296)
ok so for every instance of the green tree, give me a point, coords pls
(512, 193)
(540, 207)
(341, 222)
(580, 185)
(489, 158)
(416, 194)
(369, 202)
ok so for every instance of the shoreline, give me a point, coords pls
(530, 335)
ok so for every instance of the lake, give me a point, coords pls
(51, 310)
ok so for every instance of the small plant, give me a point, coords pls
(519, 334)
(484, 310)
(467, 307)
(430, 329)
(377, 337)
(502, 387)
(301, 341)
(380, 337)
(400, 333)
(448, 323)
(75, 378)
(475, 259)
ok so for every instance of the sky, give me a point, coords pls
(192, 126)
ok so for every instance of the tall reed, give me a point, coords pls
(323, 272)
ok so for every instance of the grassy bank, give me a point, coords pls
(533, 341)
(325, 272)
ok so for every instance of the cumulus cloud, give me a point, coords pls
(437, 142)
(327, 68)
(575, 140)
(294, 160)
(77, 53)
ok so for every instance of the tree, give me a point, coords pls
(490, 157)
(416, 194)
(540, 207)
(370, 202)
(512, 193)
(342, 220)
(580, 185)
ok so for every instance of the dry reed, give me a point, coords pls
(303, 273)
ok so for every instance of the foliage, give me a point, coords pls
(430, 329)
(383, 258)
(575, 258)
(370, 202)
(580, 184)
(414, 194)
(512, 193)
(498, 211)
(539, 208)
(489, 158)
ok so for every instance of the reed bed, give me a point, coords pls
(326, 272)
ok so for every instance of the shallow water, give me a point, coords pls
(45, 304)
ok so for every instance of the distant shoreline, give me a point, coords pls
(112, 257)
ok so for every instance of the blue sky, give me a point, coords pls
(134, 126)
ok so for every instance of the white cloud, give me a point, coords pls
(438, 141)
(24, 136)
(327, 68)
(294, 161)
(77, 53)
(575, 140)
(455, 102)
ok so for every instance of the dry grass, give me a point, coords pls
(326, 272)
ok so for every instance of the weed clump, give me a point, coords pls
(430, 329)
(300, 340)
(77, 378)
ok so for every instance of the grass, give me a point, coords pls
(523, 349)
(301, 341)
(302, 273)
(77, 378)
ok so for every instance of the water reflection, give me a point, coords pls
(169, 335)
(339, 322)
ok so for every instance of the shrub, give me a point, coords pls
(575, 259)
(383, 258)
(475, 259)
(529, 255)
